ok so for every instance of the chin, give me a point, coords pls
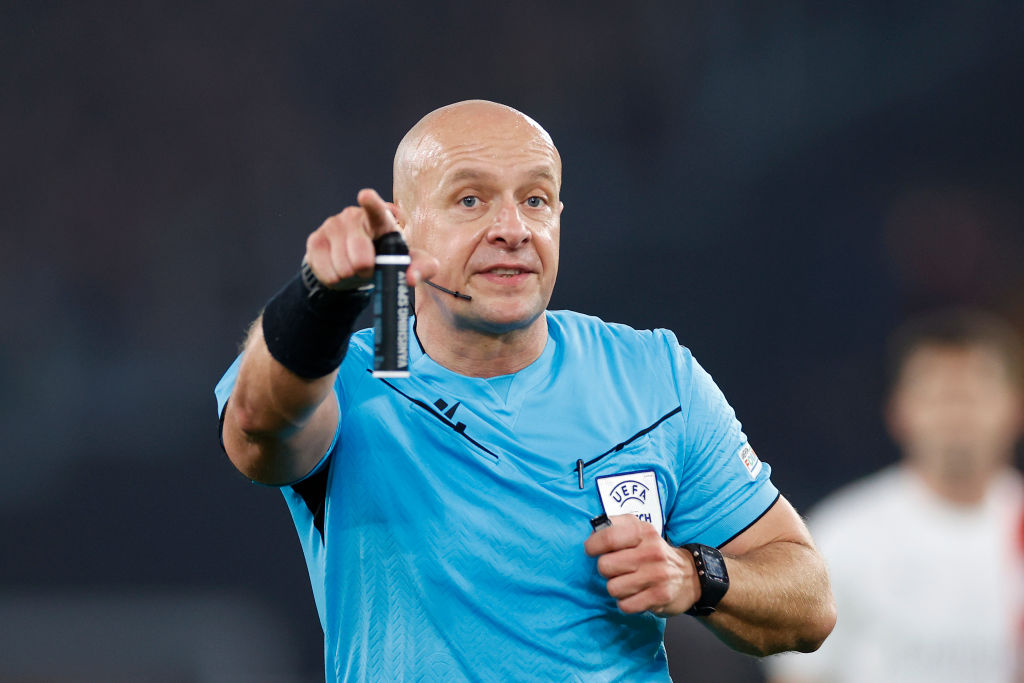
(502, 322)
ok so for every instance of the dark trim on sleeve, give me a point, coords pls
(756, 519)
(313, 491)
(220, 426)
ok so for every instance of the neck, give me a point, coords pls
(960, 490)
(475, 353)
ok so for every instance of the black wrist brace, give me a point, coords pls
(306, 326)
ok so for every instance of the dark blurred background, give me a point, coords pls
(778, 183)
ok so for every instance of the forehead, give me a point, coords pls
(461, 148)
(954, 363)
(492, 160)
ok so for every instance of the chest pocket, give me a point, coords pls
(597, 483)
(631, 479)
(639, 450)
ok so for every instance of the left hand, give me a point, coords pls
(644, 572)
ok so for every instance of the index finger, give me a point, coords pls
(380, 219)
(623, 533)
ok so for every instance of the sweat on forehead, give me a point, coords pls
(461, 123)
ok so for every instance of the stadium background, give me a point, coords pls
(777, 183)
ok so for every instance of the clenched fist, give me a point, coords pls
(340, 252)
(644, 572)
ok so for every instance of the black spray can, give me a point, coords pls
(391, 307)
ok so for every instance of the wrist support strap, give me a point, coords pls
(307, 326)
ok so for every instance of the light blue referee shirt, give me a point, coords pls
(444, 528)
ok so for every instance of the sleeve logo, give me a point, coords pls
(750, 460)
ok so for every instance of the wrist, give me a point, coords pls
(306, 325)
(711, 575)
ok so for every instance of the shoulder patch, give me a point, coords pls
(750, 460)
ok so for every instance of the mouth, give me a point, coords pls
(506, 272)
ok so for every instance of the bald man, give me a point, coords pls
(545, 488)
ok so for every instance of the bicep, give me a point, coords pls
(780, 523)
(276, 427)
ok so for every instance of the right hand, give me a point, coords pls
(340, 252)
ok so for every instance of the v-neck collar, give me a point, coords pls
(503, 395)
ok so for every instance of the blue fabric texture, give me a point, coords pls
(452, 545)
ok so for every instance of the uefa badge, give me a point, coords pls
(634, 493)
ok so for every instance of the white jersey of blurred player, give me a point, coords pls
(926, 590)
(925, 556)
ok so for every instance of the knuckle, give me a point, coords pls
(628, 606)
(316, 241)
(349, 213)
(650, 554)
(350, 218)
(661, 595)
(345, 272)
(659, 575)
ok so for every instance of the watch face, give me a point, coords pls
(714, 566)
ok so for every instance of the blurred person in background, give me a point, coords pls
(925, 555)
(446, 516)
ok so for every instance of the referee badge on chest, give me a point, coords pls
(633, 493)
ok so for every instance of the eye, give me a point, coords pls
(470, 202)
(535, 202)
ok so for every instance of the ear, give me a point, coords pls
(399, 213)
(893, 417)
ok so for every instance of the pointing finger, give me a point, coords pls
(381, 220)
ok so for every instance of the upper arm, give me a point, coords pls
(275, 428)
(780, 523)
(278, 461)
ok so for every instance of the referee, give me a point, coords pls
(546, 488)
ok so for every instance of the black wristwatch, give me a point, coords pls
(713, 576)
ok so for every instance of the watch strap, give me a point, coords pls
(712, 586)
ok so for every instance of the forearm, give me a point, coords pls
(779, 599)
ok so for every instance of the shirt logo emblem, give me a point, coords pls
(633, 493)
(750, 460)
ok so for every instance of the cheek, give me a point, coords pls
(548, 241)
(422, 232)
(913, 420)
(1000, 417)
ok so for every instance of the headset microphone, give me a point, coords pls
(457, 295)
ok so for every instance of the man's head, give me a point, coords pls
(477, 186)
(955, 403)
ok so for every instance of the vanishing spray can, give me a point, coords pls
(391, 307)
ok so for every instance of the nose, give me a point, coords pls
(508, 229)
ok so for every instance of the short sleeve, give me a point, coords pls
(226, 385)
(723, 486)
